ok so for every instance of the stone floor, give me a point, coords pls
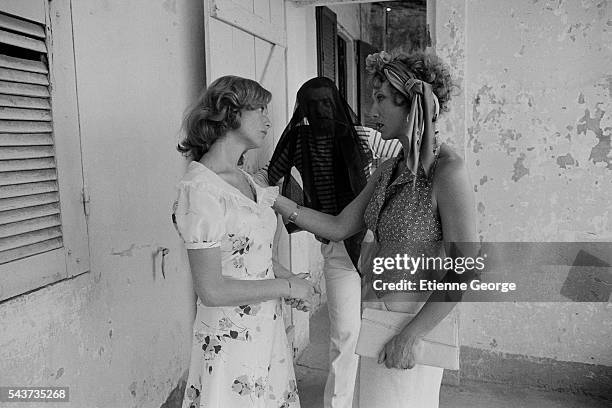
(311, 372)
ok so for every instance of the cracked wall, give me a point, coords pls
(538, 119)
(534, 125)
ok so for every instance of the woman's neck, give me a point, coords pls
(223, 155)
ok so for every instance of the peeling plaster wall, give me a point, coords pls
(539, 104)
(534, 125)
(120, 335)
(450, 19)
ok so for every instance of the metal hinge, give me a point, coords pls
(86, 200)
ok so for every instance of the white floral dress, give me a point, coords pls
(240, 355)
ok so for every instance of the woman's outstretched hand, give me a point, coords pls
(401, 350)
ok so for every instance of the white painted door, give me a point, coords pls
(248, 38)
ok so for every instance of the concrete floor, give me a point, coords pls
(311, 372)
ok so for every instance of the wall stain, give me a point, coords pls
(130, 250)
(481, 207)
(599, 152)
(125, 252)
(607, 85)
(519, 168)
(454, 52)
(59, 373)
(507, 137)
(565, 161)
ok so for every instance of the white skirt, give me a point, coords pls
(382, 387)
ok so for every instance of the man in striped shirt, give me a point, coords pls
(329, 148)
(381, 149)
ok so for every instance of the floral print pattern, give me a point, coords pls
(192, 397)
(250, 310)
(240, 244)
(240, 357)
(290, 396)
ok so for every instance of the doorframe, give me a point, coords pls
(351, 66)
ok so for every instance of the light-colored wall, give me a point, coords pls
(533, 124)
(349, 18)
(301, 48)
(120, 335)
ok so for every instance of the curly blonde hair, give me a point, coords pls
(425, 66)
(217, 110)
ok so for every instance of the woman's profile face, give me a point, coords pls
(254, 126)
(390, 119)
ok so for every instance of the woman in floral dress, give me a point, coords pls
(240, 355)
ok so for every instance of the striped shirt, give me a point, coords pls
(381, 148)
(330, 182)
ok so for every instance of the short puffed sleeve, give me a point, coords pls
(199, 216)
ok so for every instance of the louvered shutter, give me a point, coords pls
(327, 32)
(30, 220)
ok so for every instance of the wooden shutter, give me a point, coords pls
(342, 68)
(364, 103)
(327, 32)
(29, 198)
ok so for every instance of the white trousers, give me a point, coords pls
(382, 387)
(343, 286)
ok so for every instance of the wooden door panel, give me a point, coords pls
(262, 9)
(247, 4)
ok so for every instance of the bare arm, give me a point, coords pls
(334, 228)
(279, 270)
(214, 289)
(455, 202)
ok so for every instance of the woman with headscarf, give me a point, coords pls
(414, 204)
(326, 144)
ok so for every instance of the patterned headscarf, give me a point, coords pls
(424, 109)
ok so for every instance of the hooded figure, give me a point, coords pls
(322, 143)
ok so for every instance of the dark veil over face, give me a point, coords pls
(322, 143)
(320, 102)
